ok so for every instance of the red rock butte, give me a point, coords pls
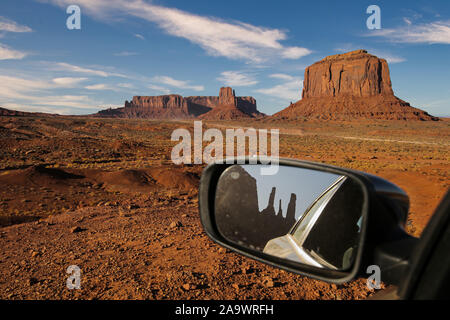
(226, 106)
(349, 86)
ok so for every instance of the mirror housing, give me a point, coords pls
(384, 211)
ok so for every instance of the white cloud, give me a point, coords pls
(177, 83)
(434, 32)
(236, 79)
(109, 87)
(37, 93)
(290, 89)
(158, 88)
(66, 67)
(68, 82)
(390, 58)
(100, 86)
(125, 85)
(139, 36)
(7, 53)
(295, 53)
(7, 25)
(282, 76)
(407, 21)
(233, 40)
(125, 54)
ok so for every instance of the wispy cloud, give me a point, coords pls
(6, 53)
(230, 39)
(67, 67)
(158, 88)
(68, 82)
(236, 79)
(126, 54)
(7, 25)
(139, 36)
(38, 96)
(177, 83)
(434, 32)
(99, 86)
(125, 85)
(390, 57)
(290, 89)
(282, 76)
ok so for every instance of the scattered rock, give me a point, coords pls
(76, 229)
(186, 286)
(32, 281)
(268, 282)
(175, 224)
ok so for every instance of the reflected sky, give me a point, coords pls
(307, 184)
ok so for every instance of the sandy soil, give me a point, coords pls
(103, 195)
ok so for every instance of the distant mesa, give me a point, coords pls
(226, 106)
(349, 86)
(13, 113)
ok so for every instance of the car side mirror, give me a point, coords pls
(307, 218)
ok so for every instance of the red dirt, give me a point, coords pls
(138, 230)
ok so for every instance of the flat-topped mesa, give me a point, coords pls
(174, 106)
(167, 101)
(353, 85)
(356, 73)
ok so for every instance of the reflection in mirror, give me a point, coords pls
(304, 215)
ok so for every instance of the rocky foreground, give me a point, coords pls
(103, 194)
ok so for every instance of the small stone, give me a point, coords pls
(268, 282)
(186, 286)
(32, 281)
(76, 229)
(175, 224)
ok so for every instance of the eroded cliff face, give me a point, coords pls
(167, 102)
(178, 107)
(356, 73)
(348, 86)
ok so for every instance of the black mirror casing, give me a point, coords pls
(208, 183)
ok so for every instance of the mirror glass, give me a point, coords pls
(308, 216)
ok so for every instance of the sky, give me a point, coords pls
(307, 185)
(260, 48)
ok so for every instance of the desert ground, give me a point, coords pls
(103, 194)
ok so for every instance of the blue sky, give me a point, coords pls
(286, 181)
(260, 48)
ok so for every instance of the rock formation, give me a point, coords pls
(347, 86)
(227, 96)
(13, 113)
(226, 106)
(238, 217)
(230, 107)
